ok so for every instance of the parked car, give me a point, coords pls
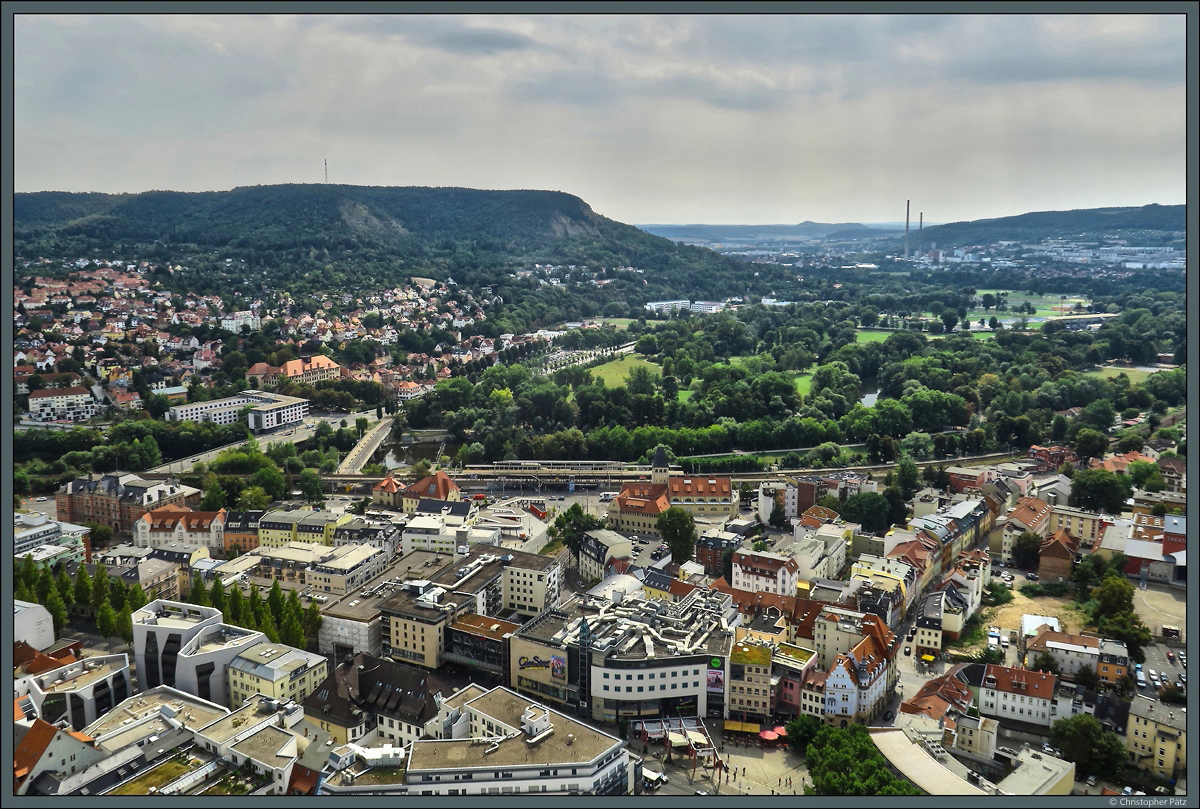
(42, 499)
(1170, 656)
(1091, 781)
(1031, 577)
(908, 650)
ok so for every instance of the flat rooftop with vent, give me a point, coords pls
(364, 605)
(81, 674)
(700, 623)
(191, 711)
(529, 735)
(175, 614)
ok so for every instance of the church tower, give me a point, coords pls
(659, 467)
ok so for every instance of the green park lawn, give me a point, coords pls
(616, 372)
(871, 335)
(620, 322)
(1136, 377)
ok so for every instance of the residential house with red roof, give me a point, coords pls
(40, 747)
(387, 492)
(769, 572)
(1029, 514)
(1056, 557)
(437, 486)
(161, 527)
(1018, 695)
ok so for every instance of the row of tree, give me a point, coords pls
(108, 600)
(281, 618)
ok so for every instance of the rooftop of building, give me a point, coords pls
(175, 614)
(230, 725)
(220, 636)
(267, 747)
(272, 661)
(81, 674)
(192, 711)
(911, 757)
(570, 742)
(699, 623)
(1035, 773)
(492, 628)
(1172, 716)
(356, 606)
(753, 654)
(346, 558)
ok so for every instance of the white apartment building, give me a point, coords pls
(1018, 695)
(81, 691)
(33, 624)
(344, 569)
(61, 404)
(761, 572)
(821, 553)
(181, 527)
(32, 530)
(1069, 652)
(235, 320)
(268, 410)
(531, 583)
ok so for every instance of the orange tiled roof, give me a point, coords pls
(389, 485)
(1030, 512)
(643, 498)
(1061, 543)
(1019, 681)
(31, 749)
(437, 486)
(699, 487)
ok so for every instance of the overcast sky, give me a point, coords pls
(649, 119)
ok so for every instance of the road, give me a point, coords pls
(297, 433)
(361, 453)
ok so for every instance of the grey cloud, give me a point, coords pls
(120, 74)
(584, 88)
(452, 36)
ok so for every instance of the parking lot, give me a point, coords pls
(43, 503)
(1157, 661)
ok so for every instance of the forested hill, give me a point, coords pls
(1149, 224)
(379, 232)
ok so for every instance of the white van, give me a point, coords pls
(1141, 679)
(653, 780)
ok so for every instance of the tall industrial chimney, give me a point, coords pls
(920, 227)
(907, 208)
